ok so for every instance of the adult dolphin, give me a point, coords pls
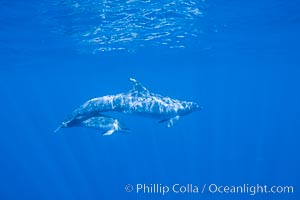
(140, 101)
(107, 125)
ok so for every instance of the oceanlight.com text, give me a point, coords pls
(250, 189)
(164, 189)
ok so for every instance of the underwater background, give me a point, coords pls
(238, 59)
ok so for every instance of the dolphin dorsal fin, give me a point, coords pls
(138, 87)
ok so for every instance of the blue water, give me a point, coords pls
(238, 59)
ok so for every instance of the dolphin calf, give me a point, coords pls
(140, 101)
(106, 124)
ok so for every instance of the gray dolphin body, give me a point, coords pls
(138, 101)
(107, 125)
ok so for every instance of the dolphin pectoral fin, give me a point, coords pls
(164, 120)
(124, 129)
(171, 121)
(109, 132)
(118, 126)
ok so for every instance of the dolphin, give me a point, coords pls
(140, 101)
(106, 124)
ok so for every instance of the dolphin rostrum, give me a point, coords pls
(139, 101)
